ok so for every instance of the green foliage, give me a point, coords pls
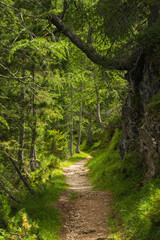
(37, 217)
(154, 105)
(105, 164)
(41, 206)
(38, 62)
(56, 143)
(19, 226)
(75, 158)
(140, 212)
(43, 174)
(73, 196)
(124, 15)
(5, 207)
(150, 37)
(4, 122)
(42, 48)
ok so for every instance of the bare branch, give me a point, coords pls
(12, 159)
(16, 234)
(7, 192)
(10, 6)
(13, 75)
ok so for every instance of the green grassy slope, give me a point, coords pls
(138, 205)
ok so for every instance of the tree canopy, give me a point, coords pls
(66, 67)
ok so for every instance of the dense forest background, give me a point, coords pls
(79, 75)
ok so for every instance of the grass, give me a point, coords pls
(138, 206)
(75, 158)
(41, 207)
(73, 196)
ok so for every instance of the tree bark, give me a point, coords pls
(89, 130)
(91, 53)
(80, 122)
(108, 62)
(71, 124)
(8, 193)
(11, 158)
(98, 103)
(33, 157)
(22, 130)
(98, 100)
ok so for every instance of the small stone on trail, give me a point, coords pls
(88, 231)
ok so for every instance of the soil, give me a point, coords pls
(85, 212)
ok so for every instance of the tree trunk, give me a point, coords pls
(98, 103)
(33, 163)
(71, 124)
(22, 130)
(11, 158)
(136, 109)
(80, 122)
(98, 100)
(8, 193)
(91, 53)
(89, 130)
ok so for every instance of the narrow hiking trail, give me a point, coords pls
(85, 212)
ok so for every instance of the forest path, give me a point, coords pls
(85, 212)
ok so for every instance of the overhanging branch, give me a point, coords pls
(105, 61)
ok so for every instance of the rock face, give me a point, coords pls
(141, 127)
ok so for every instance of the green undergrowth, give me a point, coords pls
(41, 207)
(36, 217)
(73, 196)
(137, 204)
(76, 157)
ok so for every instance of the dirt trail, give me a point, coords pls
(85, 211)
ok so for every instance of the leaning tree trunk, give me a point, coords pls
(33, 163)
(71, 124)
(7, 192)
(80, 123)
(22, 130)
(13, 161)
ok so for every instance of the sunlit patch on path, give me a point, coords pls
(85, 212)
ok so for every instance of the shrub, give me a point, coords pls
(19, 226)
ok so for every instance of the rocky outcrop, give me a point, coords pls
(141, 128)
(149, 140)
